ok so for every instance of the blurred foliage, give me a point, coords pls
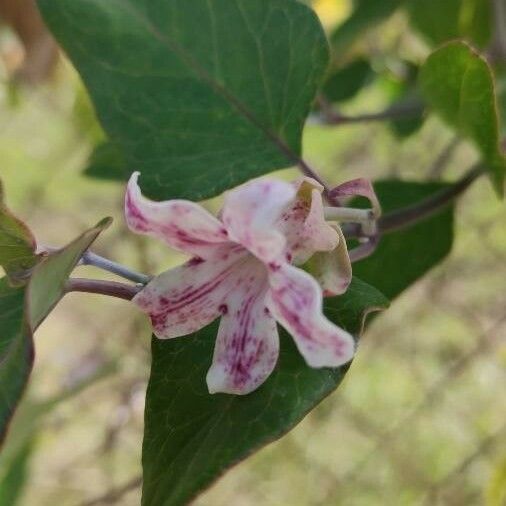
(14, 480)
(459, 85)
(439, 22)
(40, 53)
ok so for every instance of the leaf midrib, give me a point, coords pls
(195, 67)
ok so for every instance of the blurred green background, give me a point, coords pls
(420, 418)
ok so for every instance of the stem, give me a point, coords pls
(407, 216)
(348, 214)
(403, 110)
(497, 51)
(90, 258)
(110, 288)
(441, 162)
(116, 494)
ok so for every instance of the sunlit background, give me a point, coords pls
(420, 417)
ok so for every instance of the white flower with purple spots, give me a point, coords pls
(243, 270)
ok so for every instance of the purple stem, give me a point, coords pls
(110, 288)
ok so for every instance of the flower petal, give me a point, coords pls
(332, 269)
(183, 225)
(305, 228)
(250, 213)
(247, 346)
(295, 300)
(185, 299)
(359, 188)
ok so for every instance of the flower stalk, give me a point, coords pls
(90, 258)
(101, 287)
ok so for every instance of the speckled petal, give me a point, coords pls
(183, 225)
(295, 300)
(185, 299)
(247, 346)
(304, 225)
(250, 213)
(332, 269)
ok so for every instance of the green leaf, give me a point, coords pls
(366, 15)
(405, 256)
(199, 95)
(440, 21)
(17, 244)
(107, 162)
(15, 476)
(192, 437)
(458, 84)
(21, 312)
(501, 97)
(347, 81)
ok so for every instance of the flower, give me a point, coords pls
(243, 269)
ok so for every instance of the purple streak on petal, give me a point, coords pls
(181, 224)
(184, 299)
(247, 345)
(295, 300)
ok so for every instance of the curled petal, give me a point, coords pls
(250, 213)
(183, 225)
(247, 345)
(359, 188)
(305, 185)
(185, 299)
(295, 300)
(304, 225)
(332, 269)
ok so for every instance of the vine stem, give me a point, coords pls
(116, 494)
(407, 216)
(110, 288)
(90, 258)
(403, 110)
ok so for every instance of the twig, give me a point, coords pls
(497, 51)
(110, 288)
(407, 216)
(90, 258)
(402, 110)
(116, 494)
(443, 158)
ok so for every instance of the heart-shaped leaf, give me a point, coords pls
(199, 95)
(21, 312)
(458, 83)
(17, 244)
(192, 437)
